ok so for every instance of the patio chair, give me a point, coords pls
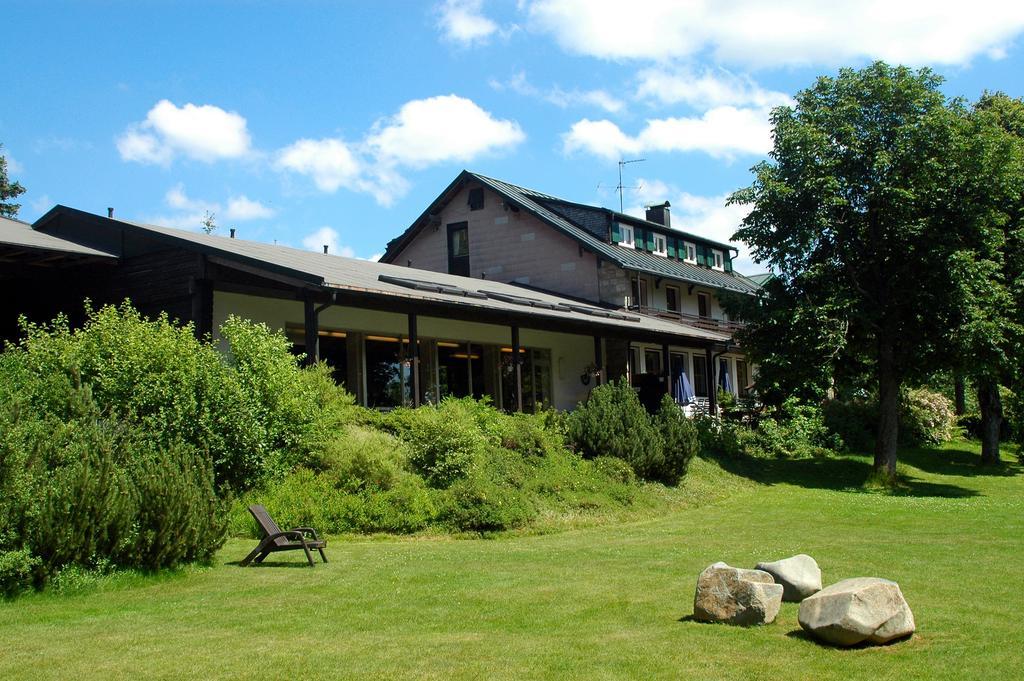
(275, 539)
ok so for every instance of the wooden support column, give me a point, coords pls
(712, 383)
(598, 361)
(666, 369)
(202, 307)
(312, 332)
(414, 360)
(517, 365)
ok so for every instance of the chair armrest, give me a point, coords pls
(310, 530)
(287, 533)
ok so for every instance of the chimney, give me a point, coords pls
(325, 249)
(232, 232)
(659, 213)
(110, 212)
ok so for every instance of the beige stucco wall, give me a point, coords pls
(506, 246)
(570, 353)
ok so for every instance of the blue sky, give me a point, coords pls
(322, 122)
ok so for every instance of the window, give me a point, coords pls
(388, 376)
(652, 362)
(719, 260)
(703, 305)
(690, 252)
(724, 377)
(660, 245)
(700, 376)
(742, 378)
(626, 236)
(536, 376)
(458, 248)
(672, 298)
(476, 198)
(640, 292)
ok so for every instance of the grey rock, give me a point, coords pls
(799, 576)
(736, 596)
(858, 610)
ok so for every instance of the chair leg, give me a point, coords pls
(252, 554)
(323, 555)
(309, 556)
(262, 557)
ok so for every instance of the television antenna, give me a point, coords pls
(621, 186)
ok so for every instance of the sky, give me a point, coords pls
(309, 123)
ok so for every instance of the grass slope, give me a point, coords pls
(607, 601)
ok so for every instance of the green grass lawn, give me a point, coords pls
(602, 601)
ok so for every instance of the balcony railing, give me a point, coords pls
(721, 325)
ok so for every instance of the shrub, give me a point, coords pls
(614, 423)
(17, 571)
(723, 437)
(179, 517)
(445, 441)
(679, 436)
(360, 458)
(854, 421)
(926, 417)
(477, 504)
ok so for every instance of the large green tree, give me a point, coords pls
(8, 190)
(991, 203)
(851, 211)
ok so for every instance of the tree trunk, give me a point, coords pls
(888, 413)
(991, 408)
(959, 395)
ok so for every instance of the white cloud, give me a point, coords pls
(722, 132)
(783, 32)
(330, 162)
(326, 236)
(424, 132)
(559, 97)
(206, 133)
(463, 22)
(242, 208)
(440, 129)
(706, 89)
(188, 212)
(706, 216)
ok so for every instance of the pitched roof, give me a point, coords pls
(20, 235)
(364, 277)
(590, 226)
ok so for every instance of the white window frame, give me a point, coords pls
(629, 242)
(719, 261)
(690, 251)
(661, 245)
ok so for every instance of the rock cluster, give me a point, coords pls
(736, 596)
(799, 576)
(858, 610)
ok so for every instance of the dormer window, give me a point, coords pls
(661, 245)
(718, 262)
(626, 236)
(689, 252)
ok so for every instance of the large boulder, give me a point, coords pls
(736, 596)
(858, 610)
(799, 576)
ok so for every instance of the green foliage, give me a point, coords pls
(875, 206)
(614, 423)
(926, 418)
(360, 458)
(17, 571)
(8, 190)
(679, 437)
(481, 503)
(445, 441)
(179, 517)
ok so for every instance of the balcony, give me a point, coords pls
(707, 323)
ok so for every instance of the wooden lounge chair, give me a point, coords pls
(276, 539)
